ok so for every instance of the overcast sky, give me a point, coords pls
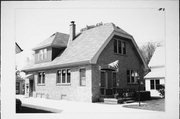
(35, 25)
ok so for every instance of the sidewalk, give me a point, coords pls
(61, 106)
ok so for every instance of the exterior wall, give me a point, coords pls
(56, 52)
(154, 92)
(71, 91)
(130, 61)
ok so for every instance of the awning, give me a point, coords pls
(29, 76)
(156, 73)
(106, 67)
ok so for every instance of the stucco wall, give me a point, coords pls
(71, 91)
(129, 61)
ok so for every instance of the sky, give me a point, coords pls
(32, 26)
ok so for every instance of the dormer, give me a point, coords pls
(50, 48)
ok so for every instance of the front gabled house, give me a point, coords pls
(76, 66)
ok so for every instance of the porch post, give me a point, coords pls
(26, 87)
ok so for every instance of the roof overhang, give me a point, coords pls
(95, 58)
(37, 68)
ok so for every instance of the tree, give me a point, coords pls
(147, 50)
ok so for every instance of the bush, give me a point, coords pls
(161, 90)
(144, 95)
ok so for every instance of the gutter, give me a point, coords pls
(57, 66)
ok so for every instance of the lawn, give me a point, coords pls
(155, 104)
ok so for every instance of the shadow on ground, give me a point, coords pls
(32, 110)
(155, 104)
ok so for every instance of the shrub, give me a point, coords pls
(144, 95)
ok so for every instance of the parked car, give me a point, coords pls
(18, 105)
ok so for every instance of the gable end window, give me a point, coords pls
(119, 47)
(82, 77)
(41, 78)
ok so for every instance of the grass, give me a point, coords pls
(155, 104)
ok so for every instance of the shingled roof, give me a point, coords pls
(56, 40)
(86, 48)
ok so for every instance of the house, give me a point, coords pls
(85, 66)
(19, 81)
(155, 79)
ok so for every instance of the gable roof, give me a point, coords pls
(86, 48)
(55, 40)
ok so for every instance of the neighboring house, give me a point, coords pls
(20, 82)
(156, 77)
(85, 67)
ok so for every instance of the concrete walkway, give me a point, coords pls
(61, 106)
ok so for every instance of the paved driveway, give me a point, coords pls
(64, 106)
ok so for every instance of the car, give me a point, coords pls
(18, 105)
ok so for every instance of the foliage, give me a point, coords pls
(147, 51)
(161, 90)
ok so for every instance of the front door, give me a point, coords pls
(107, 81)
(31, 87)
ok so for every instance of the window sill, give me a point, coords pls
(41, 84)
(120, 54)
(63, 84)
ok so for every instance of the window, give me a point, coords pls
(123, 47)
(63, 76)
(42, 54)
(115, 46)
(68, 76)
(119, 47)
(58, 80)
(41, 78)
(154, 84)
(131, 77)
(83, 77)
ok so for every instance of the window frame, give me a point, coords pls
(155, 85)
(80, 79)
(41, 78)
(61, 77)
(130, 77)
(122, 49)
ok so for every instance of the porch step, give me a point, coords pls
(110, 101)
(117, 101)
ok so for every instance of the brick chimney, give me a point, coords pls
(72, 32)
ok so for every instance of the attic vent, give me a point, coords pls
(91, 26)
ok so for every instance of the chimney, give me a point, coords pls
(72, 31)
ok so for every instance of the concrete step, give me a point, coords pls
(117, 101)
(110, 100)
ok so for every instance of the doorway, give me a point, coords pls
(31, 87)
(107, 81)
